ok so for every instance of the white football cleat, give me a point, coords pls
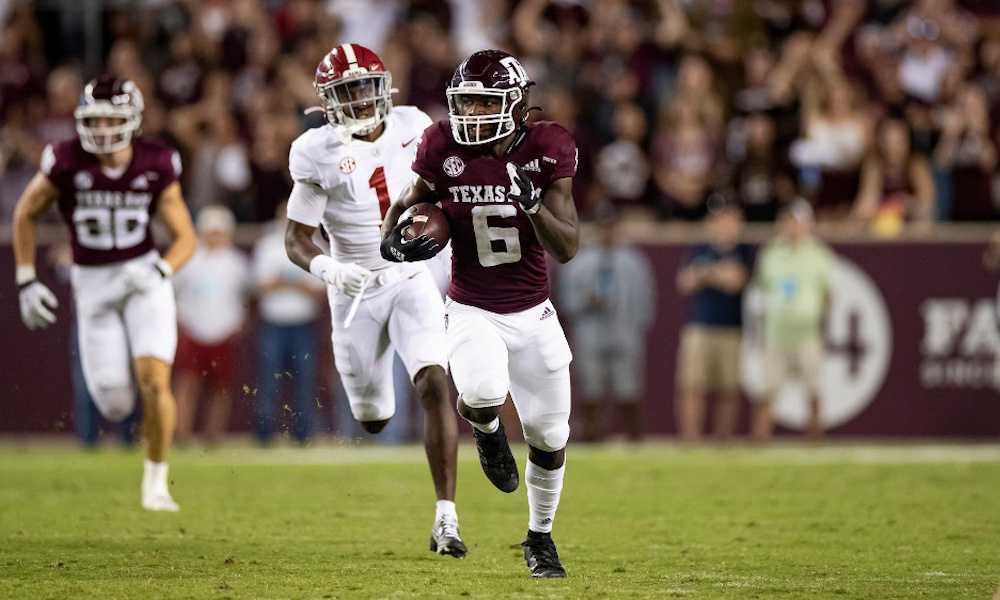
(159, 502)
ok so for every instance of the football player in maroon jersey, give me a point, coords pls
(505, 186)
(107, 184)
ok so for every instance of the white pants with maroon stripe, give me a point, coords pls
(525, 353)
(115, 327)
(402, 312)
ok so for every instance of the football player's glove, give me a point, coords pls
(522, 190)
(396, 249)
(37, 304)
(142, 278)
(348, 278)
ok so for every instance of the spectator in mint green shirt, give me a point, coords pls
(795, 272)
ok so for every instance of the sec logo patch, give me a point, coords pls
(347, 165)
(83, 180)
(453, 166)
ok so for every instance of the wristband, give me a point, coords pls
(164, 268)
(320, 264)
(24, 274)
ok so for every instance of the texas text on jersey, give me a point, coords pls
(502, 262)
(109, 213)
(360, 179)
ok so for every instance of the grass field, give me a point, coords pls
(651, 522)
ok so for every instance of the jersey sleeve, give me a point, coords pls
(302, 167)
(561, 147)
(55, 165)
(424, 160)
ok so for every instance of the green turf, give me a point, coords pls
(652, 522)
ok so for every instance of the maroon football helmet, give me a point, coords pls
(351, 82)
(493, 84)
(109, 114)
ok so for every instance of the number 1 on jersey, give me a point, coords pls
(377, 182)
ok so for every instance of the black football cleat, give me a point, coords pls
(445, 539)
(541, 556)
(496, 458)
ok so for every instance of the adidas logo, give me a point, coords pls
(548, 312)
(140, 183)
(533, 166)
(549, 160)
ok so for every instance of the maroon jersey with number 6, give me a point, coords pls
(109, 213)
(498, 263)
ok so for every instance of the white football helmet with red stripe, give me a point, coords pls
(354, 88)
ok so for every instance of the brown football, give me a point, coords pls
(428, 220)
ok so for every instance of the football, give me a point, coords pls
(428, 220)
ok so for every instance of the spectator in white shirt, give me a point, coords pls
(289, 303)
(212, 293)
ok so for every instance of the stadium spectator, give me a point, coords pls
(837, 133)
(761, 179)
(685, 162)
(212, 293)
(608, 293)
(708, 357)
(621, 170)
(968, 153)
(896, 185)
(795, 273)
(289, 303)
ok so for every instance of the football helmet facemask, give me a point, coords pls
(354, 88)
(109, 114)
(488, 98)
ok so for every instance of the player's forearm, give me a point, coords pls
(559, 237)
(416, 192)
(181, 250)
(299, 246)
(24, 238)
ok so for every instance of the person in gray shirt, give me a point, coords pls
(608, 295)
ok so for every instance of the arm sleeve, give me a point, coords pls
(563, 149)
(172, 170)
(303, 168)
(422, 160)
(307, 203)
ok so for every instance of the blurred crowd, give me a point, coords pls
(876, 111)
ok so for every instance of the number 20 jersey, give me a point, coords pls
(109, 217)
(361, 179)
(498, 264)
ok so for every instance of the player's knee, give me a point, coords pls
(549, 438)
(151, 387)
(370, 412)
(115, 403)
(488, 391)
(432, 386)
(374, 427)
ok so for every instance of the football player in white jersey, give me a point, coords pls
(346, 174)
(107, 185)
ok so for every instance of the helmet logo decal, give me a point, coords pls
(453, 166)
(518, 75)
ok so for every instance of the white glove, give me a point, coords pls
(36, 300)
(141, 278)
(348, 278)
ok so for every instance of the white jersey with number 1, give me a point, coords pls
(361, 179)
(353, 184)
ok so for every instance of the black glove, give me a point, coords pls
(522, 190)
(395, 249)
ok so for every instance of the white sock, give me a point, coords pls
(490, 427)
(445, 508)
(154, 476)
(544, 487)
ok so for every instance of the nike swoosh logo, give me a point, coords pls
(405, 144)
